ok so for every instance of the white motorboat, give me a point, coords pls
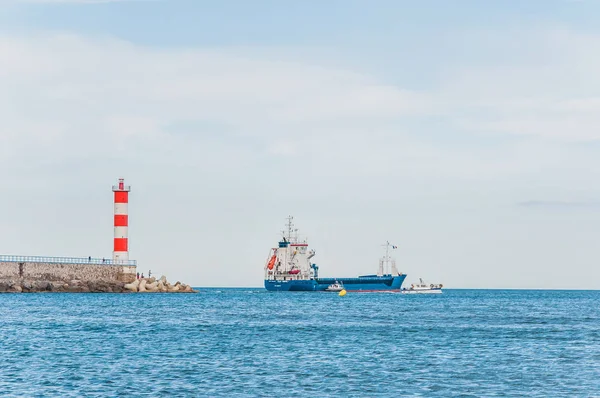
(423, 288)
(335, 287)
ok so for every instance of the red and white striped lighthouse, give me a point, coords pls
(121, 248)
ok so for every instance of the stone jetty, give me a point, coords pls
(20, 274)
(151, 285)
(145, 285)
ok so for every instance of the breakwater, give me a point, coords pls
(76, 275)
(151, 285)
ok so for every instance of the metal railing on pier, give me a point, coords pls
(64, 260)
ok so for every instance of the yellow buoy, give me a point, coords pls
(342, 292)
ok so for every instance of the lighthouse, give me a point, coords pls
(121, 248)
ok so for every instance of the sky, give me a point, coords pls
(467, 133)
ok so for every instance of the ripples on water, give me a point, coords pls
(244, 342)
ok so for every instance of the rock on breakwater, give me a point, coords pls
(151, 285)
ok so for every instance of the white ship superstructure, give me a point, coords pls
(291, 259)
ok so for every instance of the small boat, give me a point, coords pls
(423, 288)
(335, 287)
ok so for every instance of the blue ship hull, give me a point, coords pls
(370, 283)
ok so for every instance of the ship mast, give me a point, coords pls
(292, 233)
(384, 263)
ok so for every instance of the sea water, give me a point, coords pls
(248, 342)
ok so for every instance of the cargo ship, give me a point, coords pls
(289, 268)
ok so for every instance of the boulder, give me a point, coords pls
(78, 289)
(74, 289)
(142, 287)
(4, 287)
(100, 287)
(133, 287)
(36, 286)
(26, 286)
(10, 286)
(117, 288)
(57, 287)
(152, 288)
(16, 289)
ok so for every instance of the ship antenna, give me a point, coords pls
(290, 225)
(387, 251)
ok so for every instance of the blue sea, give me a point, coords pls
(252, 343)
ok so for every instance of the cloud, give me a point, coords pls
(109, 92)
(558, 204)
(527, 82)
(112, 92)
(102, 97)
(83, 1)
